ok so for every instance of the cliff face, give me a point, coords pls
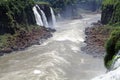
(111, 16)
(110, 12)
(18, 28)
(14, 13)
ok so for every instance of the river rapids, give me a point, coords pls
(58, 58)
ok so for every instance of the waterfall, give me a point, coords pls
(114, 74)
(41, 20)
(53, 17)
(37, 17)
(45, 22)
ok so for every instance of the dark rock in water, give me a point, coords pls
(51, 30)
(26, 39)
(5, 50)
(77, 17)
(97, 24)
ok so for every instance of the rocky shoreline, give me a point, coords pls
(96, 37)
(26, 39)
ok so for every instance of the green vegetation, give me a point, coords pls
(112, 46)
(3, 40)
(42, 3)
(110, 11)
(111, 16)
(14, 13)
(15, 16)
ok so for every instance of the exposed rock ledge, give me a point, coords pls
(26, 39)
(96, 37)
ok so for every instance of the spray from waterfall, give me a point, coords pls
(37, 17)
(53, 17)
(45, 22)
(114, 74)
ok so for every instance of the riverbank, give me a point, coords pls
(58, 58)
(23, 39)
(96, 37)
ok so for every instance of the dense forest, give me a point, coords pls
(14, 13)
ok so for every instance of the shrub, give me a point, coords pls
(112, 47)
(15, 12)
(110, 11)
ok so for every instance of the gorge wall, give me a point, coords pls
(110, 11)
(111, 17)
(18, 24)
(15, 15)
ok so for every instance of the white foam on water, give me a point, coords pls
(82, 61)
(114, 73)
(71, 35)
(37, 72)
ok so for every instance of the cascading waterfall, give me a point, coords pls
(114, 74)
(45, 22)
(53, 17)
(41, 19)
(37, 17)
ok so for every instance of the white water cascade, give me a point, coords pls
(53, 17)
(114, 74)
(37, 17)
(45, 22)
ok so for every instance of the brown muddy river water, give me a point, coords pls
(58, 58)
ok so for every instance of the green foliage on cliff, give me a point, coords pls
(110, 11)
(108, 2)
(3, 40)
(42, 3)
(13, 13)
(111, 16)
(112, 46)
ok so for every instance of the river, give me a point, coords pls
(58, 58)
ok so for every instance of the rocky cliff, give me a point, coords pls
(111, 17)
(110, 11)
(18, 28)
